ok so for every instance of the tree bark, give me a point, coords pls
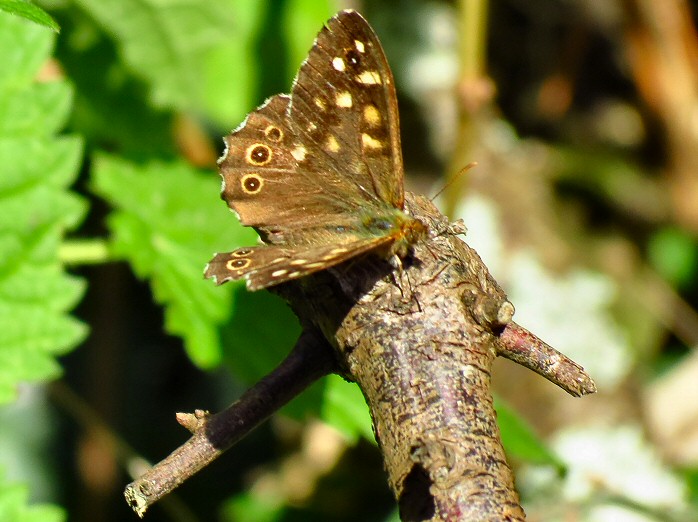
(420, 342)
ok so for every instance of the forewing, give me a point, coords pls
(328, 154)
(343, 101)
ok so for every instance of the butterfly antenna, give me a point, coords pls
(453, 179)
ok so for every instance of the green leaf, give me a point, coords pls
(252, 507)
(35, 211)
(674, 254)
(691, 479)
(111, 107)
(30, 12)
(168, 224)
(344, 407)
(166, 42)
(304, 19)
(260, 334)
(14, 506)
(230, 69)
(519, 439)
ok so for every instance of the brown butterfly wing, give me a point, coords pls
(264, 266)
(346, 84)
(264, 179)
(328, 155)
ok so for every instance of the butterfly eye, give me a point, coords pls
(251, 183)
(238, 264)
(273, 133)
(258, 154)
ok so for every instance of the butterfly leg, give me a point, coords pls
(401, 279)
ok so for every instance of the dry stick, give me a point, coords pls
(310, 359)
(521, 346)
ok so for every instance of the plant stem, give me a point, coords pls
(84, 252)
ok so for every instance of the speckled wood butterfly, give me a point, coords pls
(319, 173)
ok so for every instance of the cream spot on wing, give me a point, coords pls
(343, 99)
(372, 116)
(299, 262)
(369, 78)
(332, 145)
(368, 142)
(277, 260)
(335, 251)
(299, 153)
(320, 103)
(279, 273)
(294, 274)
(311, 127)
(338, 64)
(359, 46)
(314, 265)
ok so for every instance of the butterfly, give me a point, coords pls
(318, 173)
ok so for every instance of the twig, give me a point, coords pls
(310, 359)
(521, 346)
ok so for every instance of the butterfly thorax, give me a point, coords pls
(392, 225)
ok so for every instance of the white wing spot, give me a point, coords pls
(314, 265)
(335, 251)
(279, 273)
(332, 145)
(294, 274)
(338, 64)
(299, 153)
(369, 78)
(368, 142)
(344, 99)
(320, 103)
(359, 46)
(372, 116)
(297, 262)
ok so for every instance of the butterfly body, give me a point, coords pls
(318, 173)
